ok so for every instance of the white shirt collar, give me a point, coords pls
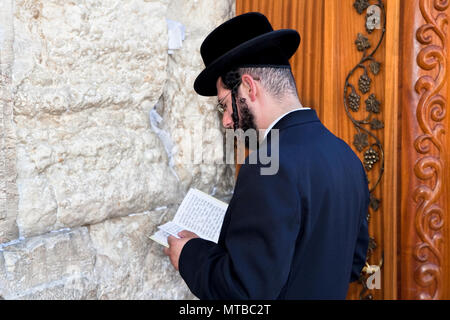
(280, 117)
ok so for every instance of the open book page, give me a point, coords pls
(171, 228)
(199, 213)
(161, 237)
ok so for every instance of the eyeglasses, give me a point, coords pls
(220, 107)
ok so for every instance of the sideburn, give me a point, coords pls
(246, 120)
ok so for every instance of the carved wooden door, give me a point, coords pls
(376, 72)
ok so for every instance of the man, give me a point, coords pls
(300, 233)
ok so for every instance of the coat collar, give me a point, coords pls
(296, 118)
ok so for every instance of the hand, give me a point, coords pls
(176, 245)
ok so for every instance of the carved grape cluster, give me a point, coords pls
(354, 101)
(370, 158)
(364, 83)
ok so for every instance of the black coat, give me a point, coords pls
(299, 234)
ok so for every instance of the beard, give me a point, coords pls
(246, 119)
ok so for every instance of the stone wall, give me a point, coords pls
(97, 125)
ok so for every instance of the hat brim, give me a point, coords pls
(287, 40)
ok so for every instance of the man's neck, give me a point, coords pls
(276, 109)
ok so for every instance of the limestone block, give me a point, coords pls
(192, 120)
(8, 189)
(200, 17)
(113, 259)
(55, 266)
(85, 76)
(131, 266)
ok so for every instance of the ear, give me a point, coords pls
(250, 87)
(219, 84)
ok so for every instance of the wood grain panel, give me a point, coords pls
(347, 58)
(305, 17)
(391, 187)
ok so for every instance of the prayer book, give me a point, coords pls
(199, 213)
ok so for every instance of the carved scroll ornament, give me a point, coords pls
(428, 169)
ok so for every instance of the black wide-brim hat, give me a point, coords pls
(247, 40)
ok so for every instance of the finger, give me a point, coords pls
(170, 240)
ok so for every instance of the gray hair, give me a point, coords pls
(277, 81)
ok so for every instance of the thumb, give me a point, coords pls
(187, 234)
